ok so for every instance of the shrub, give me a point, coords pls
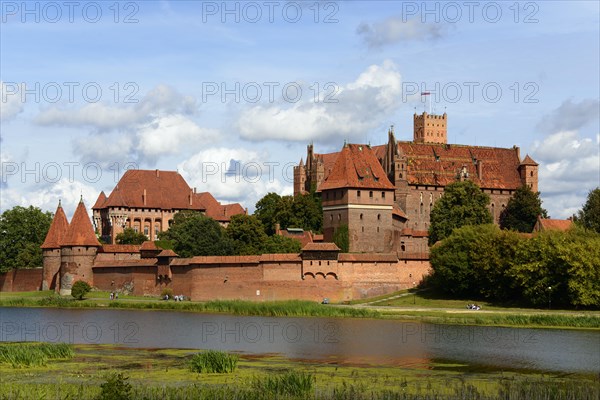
(116, 387)
(80, 289)
(214, 361)
(166, 292)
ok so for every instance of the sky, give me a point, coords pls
(230, 93)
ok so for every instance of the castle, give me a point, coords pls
(146, 201)
(384, 194)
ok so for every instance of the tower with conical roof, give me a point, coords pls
(78, 251)
(528, 169)
(51, 249)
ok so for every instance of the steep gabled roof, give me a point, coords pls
(165, 190)
(546, 224)
(529, 161)
(58, 230)
(80, 232)
(438, 164)
(356, 167)
(100, 201)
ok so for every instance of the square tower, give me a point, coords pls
(430, 128)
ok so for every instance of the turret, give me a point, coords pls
(51, 249)
(528, 169)
(78, 251)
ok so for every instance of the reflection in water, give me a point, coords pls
(352, 341)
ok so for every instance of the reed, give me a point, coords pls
(292, 383)
(214, 361)
(20, 355)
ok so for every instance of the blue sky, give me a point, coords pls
(230, 93)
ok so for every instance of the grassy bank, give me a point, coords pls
(166, 374)
(418, 306)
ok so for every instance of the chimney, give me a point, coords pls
(191, 196)
(157, 173)
(277, 228)
(144, 197)
(480, 169)
(194, 190)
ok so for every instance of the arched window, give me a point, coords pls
(378, 217)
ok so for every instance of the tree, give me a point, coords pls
(341, 238)
(22, 232)
(247, 234)
(589, 215)
(130, 236)
(80, 289)
(522, 210)
(194, 234)
(282, 244)
(463, 203)
(300, 211)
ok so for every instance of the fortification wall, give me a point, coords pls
(21, 280)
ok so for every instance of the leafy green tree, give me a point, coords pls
(247, 234)
(589, 215)
(130, 236)
(22, 232)
(116, 387)
(341, 238)
(80, 289)
(194, 234)
(282, 244)
(267, 211)
(463, 203)
(522, 210)
(300, 211)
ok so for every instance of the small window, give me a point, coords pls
(531, 173)
(361, 216)
(339, 217)
(383, 195)
(358, 193)
(331, 217)
(371, 194)
(378, 217)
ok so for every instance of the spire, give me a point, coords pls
(528, 161)
(58, 229)
(81, 232)
(301, 163)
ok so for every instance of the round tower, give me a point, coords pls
(78, 251)
(51, 251)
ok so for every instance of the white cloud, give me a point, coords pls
(361, 105)
(46, 197)
(398, 29)
(10, 102)
(169, 134)
(236, 175)
(570, 116)
(569, 168)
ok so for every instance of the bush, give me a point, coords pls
(80, 289)
(214, 361)
(166, 292)
(116, 387)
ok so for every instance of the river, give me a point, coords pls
(341, 340)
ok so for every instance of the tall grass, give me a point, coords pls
(292, 383)
(214, 361)
(33, 354)
(510, 389)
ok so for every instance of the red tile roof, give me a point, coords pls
(528, 161)
(165, 190)
(555, 224)
(99, 201)
(149, 245)
(325, 246)
(80, 232)
(439, 164)
(396, 210)
(167, 253)
(285, 257)
(356, 167)
(328, 160)
(57, 231)
(303, 236)
(144, 262)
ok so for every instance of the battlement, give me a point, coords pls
(430, 128)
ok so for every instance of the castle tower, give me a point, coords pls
(528, 169)
(51, 249)
(430, 128)
(300, 178)
(358, 194)
(78, 251)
